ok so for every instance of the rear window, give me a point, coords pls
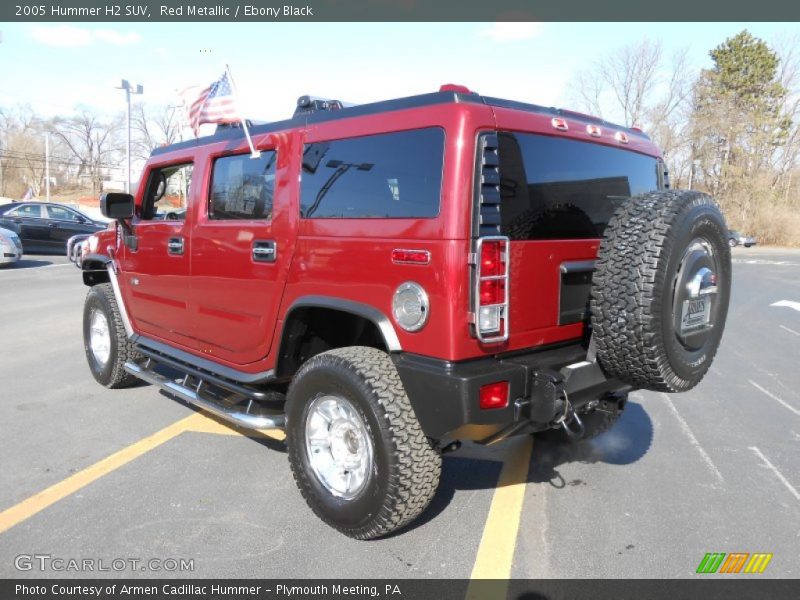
(555, 188)
(393, 175)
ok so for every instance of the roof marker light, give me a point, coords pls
(559, 123)
(594, 130)
(621, 137)
(455, 87)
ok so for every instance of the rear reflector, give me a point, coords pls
(494, 395)
(415, 257)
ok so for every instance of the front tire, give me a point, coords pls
(356, 449)
(104, 340)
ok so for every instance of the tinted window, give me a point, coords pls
(61, 214)
(555, 188)
(29, 211)
(242, 187)
(389, 175)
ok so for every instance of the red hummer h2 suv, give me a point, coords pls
(384, 281)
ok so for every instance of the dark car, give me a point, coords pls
(45, 226)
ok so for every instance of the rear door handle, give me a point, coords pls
(175, 245)
(265, 250)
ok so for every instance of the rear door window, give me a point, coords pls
(392, 175)
(556, 188)
(62, 214)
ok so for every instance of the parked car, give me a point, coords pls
(385, 281)
(10, 247)
(45, 226)
(736, 238)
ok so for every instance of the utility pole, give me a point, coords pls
(129, 89)
(47, 165)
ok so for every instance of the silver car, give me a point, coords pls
(10, 247)
(736, 238)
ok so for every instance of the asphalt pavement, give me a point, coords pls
(133, 475)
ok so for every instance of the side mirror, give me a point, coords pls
(119, 206)
(116, 205)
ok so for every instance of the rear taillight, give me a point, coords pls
(490, 296)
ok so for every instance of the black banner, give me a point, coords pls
(441, 589)
(398, 10)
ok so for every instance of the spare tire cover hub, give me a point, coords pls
(694, 308)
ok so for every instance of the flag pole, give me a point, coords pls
(253, 152)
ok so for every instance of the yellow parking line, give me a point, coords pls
(496, 551)
(38, 502)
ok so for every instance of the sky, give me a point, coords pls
(54, 67)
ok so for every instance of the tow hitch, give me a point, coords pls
(569, 421)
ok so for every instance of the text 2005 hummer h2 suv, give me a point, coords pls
(389, 279)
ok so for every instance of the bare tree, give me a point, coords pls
(637, 86)
(92, 140)
(154, 126)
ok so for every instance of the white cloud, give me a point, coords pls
(69, 36)
(511, 32)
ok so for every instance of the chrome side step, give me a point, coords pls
(192, 396)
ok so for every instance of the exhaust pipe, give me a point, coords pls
(192, 396)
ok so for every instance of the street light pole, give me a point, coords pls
(129, 89)
(47, 164)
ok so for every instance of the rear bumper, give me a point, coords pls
(445, 395)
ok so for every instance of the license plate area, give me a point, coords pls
(695, 314)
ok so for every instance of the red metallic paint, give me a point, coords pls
(217, 303)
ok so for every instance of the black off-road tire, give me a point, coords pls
(112, 375)
(406, 467)
(634, 285)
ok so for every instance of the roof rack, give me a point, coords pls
(311, 109)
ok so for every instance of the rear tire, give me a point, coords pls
(104, 339)
(661, 289)
(366, 400)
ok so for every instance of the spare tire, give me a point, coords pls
(661, 289)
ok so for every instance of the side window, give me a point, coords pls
(167, 193)
(242, 187)
(393, 175)
(29, 211)
(61, 214)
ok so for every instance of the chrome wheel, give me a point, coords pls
(338, 446)
(99, 338)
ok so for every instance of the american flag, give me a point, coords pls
(215, 104)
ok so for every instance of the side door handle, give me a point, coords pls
(265, 250)
(175, 245)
